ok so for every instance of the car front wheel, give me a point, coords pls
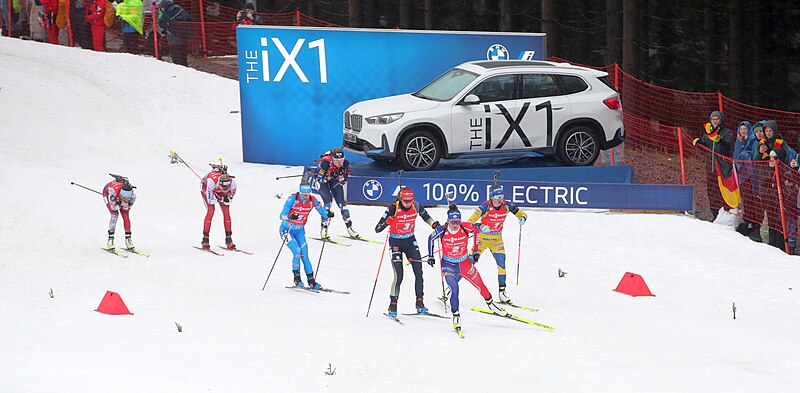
(419, 151)
(579, 147)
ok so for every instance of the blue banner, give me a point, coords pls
(361, 189)
(295, 83)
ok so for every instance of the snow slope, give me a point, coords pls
(70, 115)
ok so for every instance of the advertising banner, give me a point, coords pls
(361, 189)
(296, 82)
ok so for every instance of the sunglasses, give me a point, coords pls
(501, 196)
(454, 221)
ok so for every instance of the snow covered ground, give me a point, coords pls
(69, 115)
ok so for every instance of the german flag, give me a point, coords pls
(728, 183)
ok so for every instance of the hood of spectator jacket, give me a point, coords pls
(745, 150)
(772, 124)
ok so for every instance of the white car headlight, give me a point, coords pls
(383, 119)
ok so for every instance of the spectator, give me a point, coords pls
(773, 148)
(81, 35)
(9, 25)
(95, 16)
(37, 32)
(743, 151)
(173, 22)
(48, 19)
(248, 16)
(130, 11)
(719, 140)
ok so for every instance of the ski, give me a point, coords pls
(114, 251)
(394, 319)
(236, 249)
(334, 291)
(329, 240)
(306, 288)
(135, 251)
(361, 239)
(429, 314)
(209, 250)
(512, 304)
(514, 317)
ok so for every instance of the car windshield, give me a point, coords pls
(445, 87)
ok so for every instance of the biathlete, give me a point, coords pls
(492, 214)
(294, 216)
(329, 181)
(119, 197)
(457, 261)
(400, 217)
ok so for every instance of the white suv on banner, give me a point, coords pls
(489, 107)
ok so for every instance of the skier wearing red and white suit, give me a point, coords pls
(218, 187)
(401, 217)
(457, 262)
(119, 197)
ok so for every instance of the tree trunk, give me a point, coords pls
(505, 15)
(354, 13)
(405, 14)
(549, 26)
(430, 16)
(370, 14)
(630, 36)
(735, 50)
(710, 51)
(613, 31)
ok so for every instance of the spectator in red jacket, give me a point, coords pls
(48, 19)
(95, 15)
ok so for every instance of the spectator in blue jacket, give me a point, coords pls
(744, 150)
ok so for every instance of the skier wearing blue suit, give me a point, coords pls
(294, 216)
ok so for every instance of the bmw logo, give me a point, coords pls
(372, 189)
(497, 52)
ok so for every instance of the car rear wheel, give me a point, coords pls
(419, 151)
(578, 147)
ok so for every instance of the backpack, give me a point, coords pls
(110, 16)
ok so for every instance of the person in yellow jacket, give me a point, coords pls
(492, 215)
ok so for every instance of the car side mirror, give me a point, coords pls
(471, 99)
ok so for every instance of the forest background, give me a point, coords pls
(746, 49)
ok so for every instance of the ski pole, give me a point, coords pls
(441, 274)
(286, 177)
(519, 249)
(316, 271)
(285, 239)
(383, 253)
(86, 188)
(187, 165)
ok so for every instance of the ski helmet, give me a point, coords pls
(496, 192)
(305, 189)
(406, 194)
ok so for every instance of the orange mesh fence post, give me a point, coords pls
(69, 25)
(719, 101)
(781, 205)
(155, 30)
(680, 149)
(297, 16)
(203, 30)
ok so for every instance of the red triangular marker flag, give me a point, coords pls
(112, 304)
(634, 285)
